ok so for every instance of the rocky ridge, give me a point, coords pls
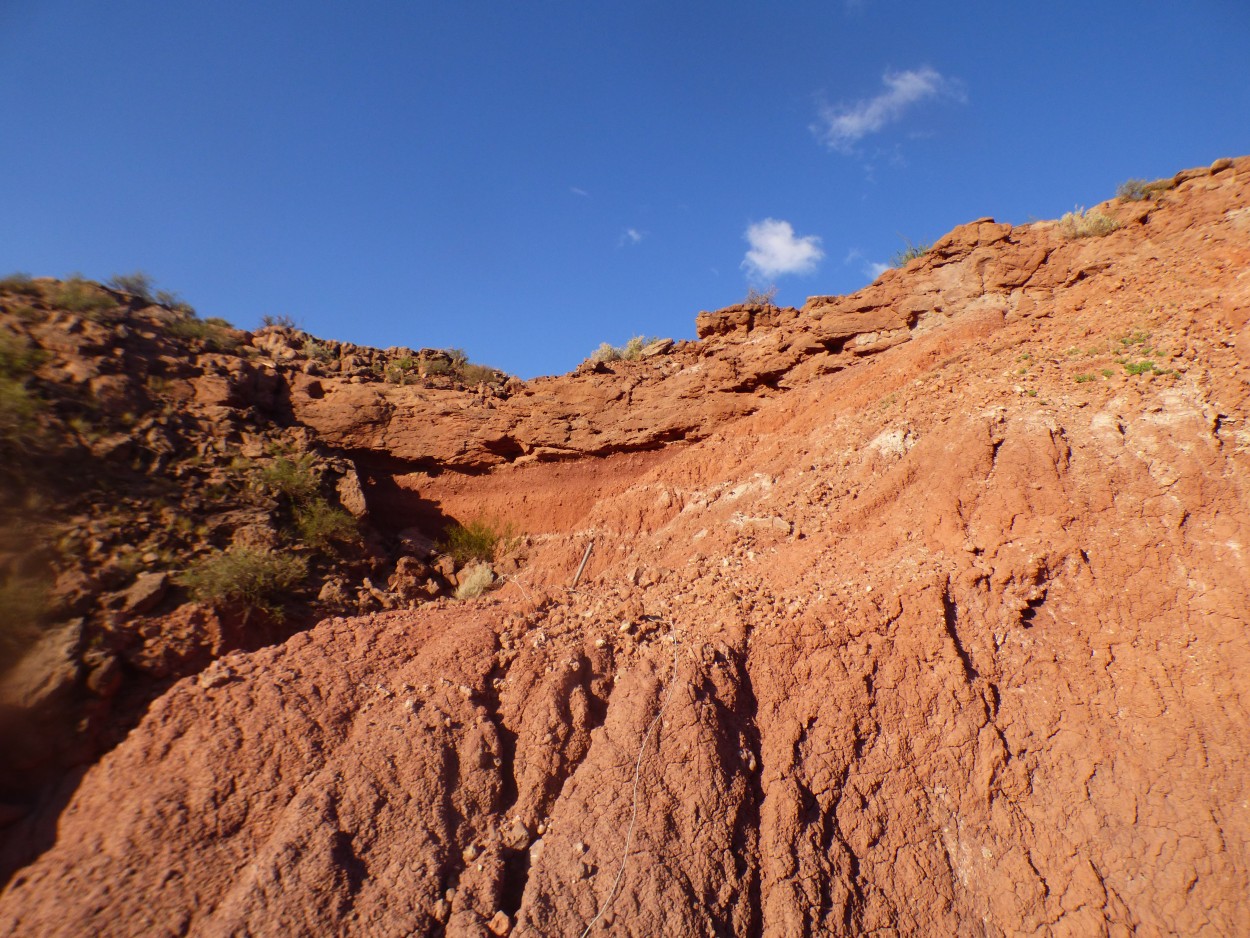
(918, 611)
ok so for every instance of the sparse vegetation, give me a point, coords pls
(249, 577)
(402, 369)
(138, 284)
(475, 581)
(1131, 190)
(630, 351)
(19, 407)
(910, 252)
(280, 322)
(214, 333)
(1082, 379)
(1080, 223)
(19, 282)
(320, 524)
(477, 540)
(476, 374)
(760, 297)
(318, 351)
(78, 295)
(292, 478)
(174, 302)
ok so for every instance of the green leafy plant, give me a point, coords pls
(1082, 379)
(319, 523)
(294, 478)
(400, 370)
(253, 578)
(477, 540)
(1080, 223)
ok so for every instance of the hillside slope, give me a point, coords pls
(921, 611)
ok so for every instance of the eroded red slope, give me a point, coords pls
(946, 639)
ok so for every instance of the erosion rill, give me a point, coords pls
(919, 611)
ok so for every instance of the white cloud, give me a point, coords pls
(775, 250)
(842, 127)
(876, 270)
(582, 192)
(632, 236)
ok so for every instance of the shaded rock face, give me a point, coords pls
(938, 628)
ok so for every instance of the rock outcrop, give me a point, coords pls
(917, 611)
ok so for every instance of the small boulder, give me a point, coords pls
(146, 593)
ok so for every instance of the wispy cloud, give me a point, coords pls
(876, 270)
(631, 236)
(582, 192)
(775, 250)
(841, 127)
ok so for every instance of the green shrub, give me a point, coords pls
(294, 478)
(214, 333)
(19, 406)
(77, 295)
(246, 576)
(172, 301)
(910, 252)
(319, 523)
(435, 366)
(1082, 224)
(137, 285)
(19, 282)
(1131, 190)
(401, 369)
(319, 351)
(18, 358)
(477, 540)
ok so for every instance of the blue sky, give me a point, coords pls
(527, 180)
